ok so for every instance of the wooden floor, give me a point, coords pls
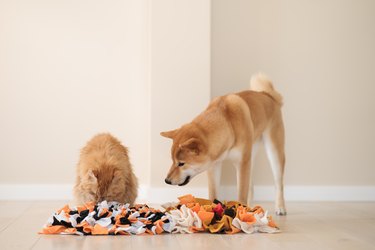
(308, 225)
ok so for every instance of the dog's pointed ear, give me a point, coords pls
(169, 134)
(192, 144)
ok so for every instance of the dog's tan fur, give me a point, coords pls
(231, 127)
(104, 172)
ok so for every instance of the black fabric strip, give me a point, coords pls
(217, 201)
(66, 224)
(84, 213)
(55, 222)
(230, 212)
(72, 212)
(125, 221)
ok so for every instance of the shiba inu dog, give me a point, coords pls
(231, 127)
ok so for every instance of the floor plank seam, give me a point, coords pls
(16, 219)
(36, 242)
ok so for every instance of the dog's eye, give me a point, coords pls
(180, 164)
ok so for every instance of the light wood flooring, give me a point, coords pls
(308, 225)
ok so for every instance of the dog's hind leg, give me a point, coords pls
(214, 175)
(243, 167)
(273, 139)
(251, 184)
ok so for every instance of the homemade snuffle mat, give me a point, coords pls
(190, 215)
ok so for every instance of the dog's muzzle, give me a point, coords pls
(168, 181)
(186, 181)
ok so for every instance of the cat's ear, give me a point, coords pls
(169, 134)
(92, 175)
(116, 175)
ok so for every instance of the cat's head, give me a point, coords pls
(105, 184)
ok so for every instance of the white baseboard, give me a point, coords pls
(167, 194)
(36, 191)
(267, 193)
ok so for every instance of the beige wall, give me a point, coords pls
(180, 75)
(74, 68)
(321, 56)
(70, 69)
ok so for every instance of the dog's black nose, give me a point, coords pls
(167, 181)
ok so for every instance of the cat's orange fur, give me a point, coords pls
(104, 172)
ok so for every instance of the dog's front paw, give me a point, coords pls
(280, 211)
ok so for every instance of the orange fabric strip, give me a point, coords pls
(99, 230)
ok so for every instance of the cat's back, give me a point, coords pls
(104, 172)
(104, 148)
(104, 142)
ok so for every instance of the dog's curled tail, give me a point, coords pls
(261, 83)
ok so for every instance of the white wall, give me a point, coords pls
(74, 68)
(68, 70)
(321, 56)
(180, 76)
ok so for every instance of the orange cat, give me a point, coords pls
(104, 172)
